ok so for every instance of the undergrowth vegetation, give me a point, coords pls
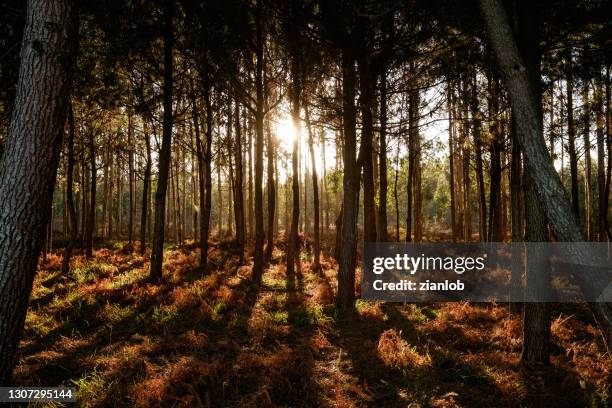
(217, 340)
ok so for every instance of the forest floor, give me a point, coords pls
(220, 341)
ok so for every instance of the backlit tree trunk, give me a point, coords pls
(157, 250)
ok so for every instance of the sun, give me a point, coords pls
(285, 131)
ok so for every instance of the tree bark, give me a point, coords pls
(258, 255)
(526, 106)
(72, 215)
(315, 194)
(476, 122)
(28, 165)
(238, 188)
(146, 188)
(571, 136)
(346, 272)
(601, 167)
(588, 206)
(91, 215)
(292, 249)
(157, 250)
(366, 82)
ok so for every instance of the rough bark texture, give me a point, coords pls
(29, 162)
(550, 192)
(157, 251)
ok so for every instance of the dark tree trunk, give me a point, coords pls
(609, 149)
(482, 198)
(157, 250)
(206, 180)
(91, 215)
(588, 205)
(238, 188)
(382, 172)
(315, 194)
(30, 158)
(146, 188)
(292, 249)
(72, 215)
(526, 104)
(132, 186)
(451, 162)
(346, 272)
(271, 192)
(601, 167)
(571, 137)
(258, 255)
(366, 82)
(496, 224)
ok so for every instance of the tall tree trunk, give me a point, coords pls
(146, 188)
(315, 194)
(366, 82)
(258, 254)
(131, 223)
(346, 272)
(206, 184)
(28, 164)
(608, 117)
(601, 167)
(451, 162)
(526, 104)
(482, 198)
(588, 206)
(238, 188)
(382, 172)
(91, 215)
(157, 250)
(571, 137)
(271, 192)
(296, 92)
(496, 224)
(72, 215)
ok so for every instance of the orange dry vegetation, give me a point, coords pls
(216, 340)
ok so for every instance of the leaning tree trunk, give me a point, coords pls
(551, 195)
(72, 215)
(157, 250)
(29, 162)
